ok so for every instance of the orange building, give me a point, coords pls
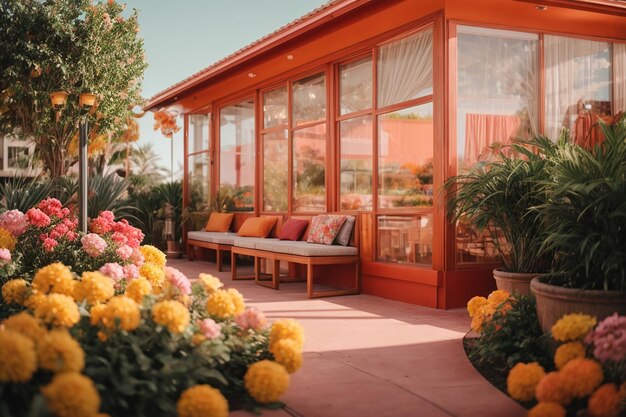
(369, 105)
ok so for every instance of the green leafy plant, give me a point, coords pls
(22, 193)
(107, 192)
(172, 194)
(585, 211)
(498, 196)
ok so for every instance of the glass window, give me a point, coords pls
(405, 69)
(309, 169)
(356, 163)
(275, 171)
(18, 157)
(405, 239)
(309, 100)
(497, 90)
(198, 138)
(237, 153)
(199, 181)
(405, 157)
(355, 81)
(275, 107)
(578, 84)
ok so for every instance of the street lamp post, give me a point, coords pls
(85, 102)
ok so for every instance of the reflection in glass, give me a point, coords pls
(405, 239)
(355, 81)
(309, 169)
(578, 85)
(275, 107)
(275, 171)
(237, 153)
(405, 158)
(497, 90)
(309, 100)
(199, 181)
(405, 69)
(356, 163)
(198, 138)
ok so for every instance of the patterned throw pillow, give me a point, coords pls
(324, 228)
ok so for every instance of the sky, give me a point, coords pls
(183, 37)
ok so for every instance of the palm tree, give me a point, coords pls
(145, 170)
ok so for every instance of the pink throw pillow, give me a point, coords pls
(292, 229)
(324, 228)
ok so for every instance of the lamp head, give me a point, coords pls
(86, 101)
(58, 99)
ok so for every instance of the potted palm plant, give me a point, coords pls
(498, 196)
(585, 219)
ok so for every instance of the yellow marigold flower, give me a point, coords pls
(523, 379)
(197, 338)
(138, 288)
(18, 361)
(27, 325)
(287, 329)
(210, 283)
(56, 278)
(483, 315)
(266, 381)
(153, 255)
(59, 352)
(220, 304)
(581, 376)
(124, 310)
(172, 315)
(58, 310)
(551, 389)
(15, 291)
(153, 273)
(96, 314)
(202, 401)
(288, 353)
(572, 327)
(547, 410)
(497, 297)
(238, 301)
(7, 240)
(71, 395)
(568, 351)
(605, 401)
(95, 287)
(34, 300)
(475, 304)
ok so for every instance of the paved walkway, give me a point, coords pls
(365, 356)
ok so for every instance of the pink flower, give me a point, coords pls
(178, 280)
(137, 257)
(609, 339)
(124, 252)
(14, 221)
(210, 329)
(52, 207)
(49, 244)
(59, 230)
(5, 255)
(251, 319)
(119, 238)
(37, 217)
(133, 235)
(72, 236)
(93, 244)
(112, 270)
(131, 272)
(103, 223)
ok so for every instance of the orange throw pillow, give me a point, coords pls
(257, 227)
(219, 222)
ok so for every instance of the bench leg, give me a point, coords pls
(309, 280)
(276, 274)
(233, 265)
(190, 254)
(218, 259)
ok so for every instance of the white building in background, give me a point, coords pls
(16, 158)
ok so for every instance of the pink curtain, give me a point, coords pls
(483, 130)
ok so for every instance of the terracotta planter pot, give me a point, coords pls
(553, 302)
(514, 281)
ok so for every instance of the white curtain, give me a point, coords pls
(577, 72)
(405, 68)
(619, 77)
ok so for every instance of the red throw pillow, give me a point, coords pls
(292, 229)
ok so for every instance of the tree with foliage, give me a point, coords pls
(69, 45)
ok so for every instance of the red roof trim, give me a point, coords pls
(315, 18)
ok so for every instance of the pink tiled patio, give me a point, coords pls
(367, 356)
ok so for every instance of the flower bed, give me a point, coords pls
(583, 366)
(98, 325)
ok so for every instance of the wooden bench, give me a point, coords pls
(310, 255)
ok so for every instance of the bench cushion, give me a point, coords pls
(304, 249)
(211, 237)
(249, 242)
